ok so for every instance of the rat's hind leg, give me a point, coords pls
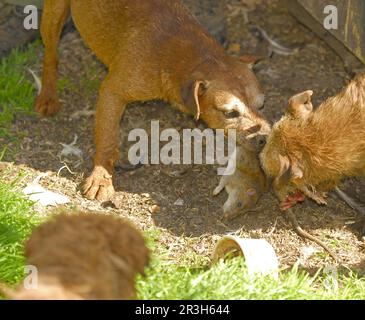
(111, 106)
(55, 13)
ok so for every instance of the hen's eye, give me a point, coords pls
(232, 114)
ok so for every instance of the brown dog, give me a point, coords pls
(309, 152)
(154, 50)
(84, 256)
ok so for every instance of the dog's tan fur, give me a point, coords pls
(153, 49)
(312, 151)
(85, 256)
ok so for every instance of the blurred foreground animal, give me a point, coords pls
(84, 256)
(153, 49)
(309, 152)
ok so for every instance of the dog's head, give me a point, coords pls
(280, 157)
(227, 97)
(129, 251)
(70, 250)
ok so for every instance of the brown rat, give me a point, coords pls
(245, 186)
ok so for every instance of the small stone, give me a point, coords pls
(179, 202)
(308, 252)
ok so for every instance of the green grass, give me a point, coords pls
(17, 221)
(191, 278)
(229, 281)
(165, 279)
(17, 89)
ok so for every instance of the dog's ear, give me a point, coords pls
(191, 95)
(250, 60)
(296, 171)
(300, 105)
(284, 172)
(289, 171)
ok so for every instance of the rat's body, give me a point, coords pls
(154, 50)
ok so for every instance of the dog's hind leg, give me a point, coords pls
(55, 13)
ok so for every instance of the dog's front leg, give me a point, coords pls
(111, 106)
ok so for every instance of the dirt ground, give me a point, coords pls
(189, 217)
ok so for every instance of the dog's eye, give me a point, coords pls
(232, 114)
(262, 142)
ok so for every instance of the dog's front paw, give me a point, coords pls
(99, 185)
(47, 104)
(319, 198)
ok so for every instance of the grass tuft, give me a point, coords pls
(17, 89)
(230, 281)
(17, 221)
